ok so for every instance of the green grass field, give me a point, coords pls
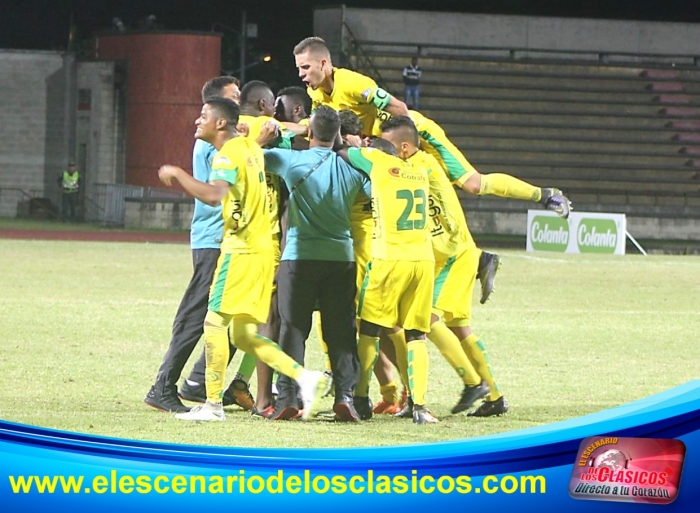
(85, 325)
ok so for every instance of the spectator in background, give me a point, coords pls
(70, 185)
(411, 79)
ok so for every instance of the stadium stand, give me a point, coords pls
(618, 137)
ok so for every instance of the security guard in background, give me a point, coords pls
(70, 183)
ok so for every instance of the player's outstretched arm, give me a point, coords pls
(211, 194)
(396, 107)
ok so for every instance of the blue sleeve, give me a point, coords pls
(278, 161)
(367, 187)
(202, 156)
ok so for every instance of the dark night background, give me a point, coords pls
(45, 25)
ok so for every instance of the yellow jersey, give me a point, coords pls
(255, 124)
(361, 221)
(448, 226)
(400, 198)
(433, 140)
(353, 91)
(240, 162)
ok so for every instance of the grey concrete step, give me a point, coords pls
(544, 174)
(600, 146)
(431, 89)
(524, 116)
(481, 155)
(468, 102)
(581, 69)
(655, 135)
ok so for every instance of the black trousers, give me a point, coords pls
(302, 284)
(188, 325)
(69, 206)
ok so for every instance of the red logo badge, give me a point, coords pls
(644, 470)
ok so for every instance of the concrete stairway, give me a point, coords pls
(614, 137)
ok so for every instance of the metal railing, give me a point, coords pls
(16, 202)
(352, 49)
(109, 207)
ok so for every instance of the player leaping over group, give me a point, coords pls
(345, 89)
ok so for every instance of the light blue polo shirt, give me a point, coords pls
(319, 208)
(207, 222)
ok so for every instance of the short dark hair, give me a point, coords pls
(299, 95)
(215, 86)
(254, 91)
(226, 109)
(384, 145)
(350, 123)
(312, 44)
(405, 125)
(325, 124)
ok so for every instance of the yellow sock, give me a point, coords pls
(418, 370)
(216, 352)
(324, 346)
(506, 186)
(368, 351)
(399, 341)
(246, 338)
(390, 392)
(448, 344)
(476, 351)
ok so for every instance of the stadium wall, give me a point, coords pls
(487, 30)
(37, 133)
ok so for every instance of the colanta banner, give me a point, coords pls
(582, 232)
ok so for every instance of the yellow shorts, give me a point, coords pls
(454, 284)
(398, 294)
(242, 285)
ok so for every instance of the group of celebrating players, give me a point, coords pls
(416, 261)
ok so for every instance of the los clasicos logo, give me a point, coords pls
(643, 470)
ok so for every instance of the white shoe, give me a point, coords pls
(311, 386)
(204, 413)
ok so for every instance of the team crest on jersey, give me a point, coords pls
(366, 94)
(395, 171)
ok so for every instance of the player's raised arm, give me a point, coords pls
(209, 193)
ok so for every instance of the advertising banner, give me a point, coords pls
(582, 232)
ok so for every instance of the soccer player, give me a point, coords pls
(292, 104)
(362, 225)
(341, 88)
(434, 141)
(205, 240)
(345, 89)
(398, 285)
(317, 264)
(456, 264)
(258, 109)
(242, 284)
